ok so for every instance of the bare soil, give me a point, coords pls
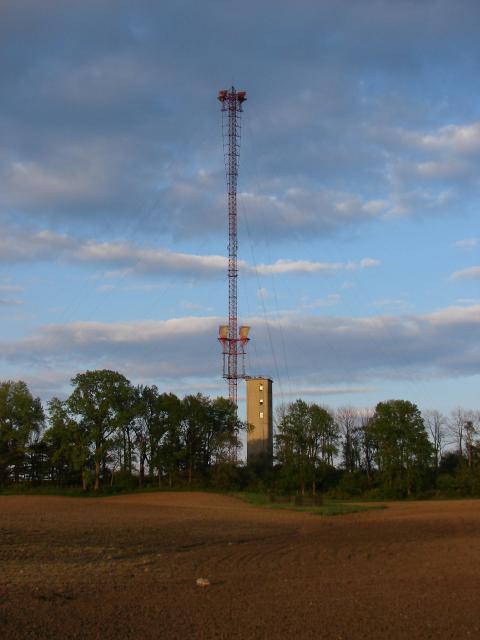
(126, 567)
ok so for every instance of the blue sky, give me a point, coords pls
(359, 240)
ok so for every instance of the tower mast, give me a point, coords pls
(233, 340)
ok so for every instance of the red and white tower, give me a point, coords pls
(232, 338)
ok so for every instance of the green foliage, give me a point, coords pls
(21, 419)
(352, 484)
(306, 442)
(102, 403)
(67, 445)
(109, 436)
(106, 426)
(403, 451)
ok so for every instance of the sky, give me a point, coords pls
(359, 238)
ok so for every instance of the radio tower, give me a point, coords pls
(233, 341)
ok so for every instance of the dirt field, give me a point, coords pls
(126, 567)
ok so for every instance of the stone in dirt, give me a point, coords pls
(203, 582)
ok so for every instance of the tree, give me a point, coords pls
(67, 445)
(403, 450)
(471, 447)
(166, 442)
(436, 425)
(221, 432)
(146, 400)
(324, 427)
(21, 417)
(209, 432)
(347, 419)
(456, 428)
(102, 401)
(305, 440)
(157, 432)
(367, 442)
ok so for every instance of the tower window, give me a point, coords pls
(261, 400)
(261, 387)
(261, 414)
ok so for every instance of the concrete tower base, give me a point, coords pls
(260, 420)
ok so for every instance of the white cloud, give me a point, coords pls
(353, 351)
(10, 288)
(365, 263)
(375, 207)
(469, 273)
(329, 301)
(144, 260)
(440, 169)
(393, 302)
(453, 138)
(18, 245)
(105, 287)
(299, 266)
(454, 315)
(459, 139)
(468, 301)
(326, 391)
(429, 171)
(406, 200)
(274, 210)
(262, 293)
(10, 302)
(467, 243)
(30, 183)
(307, 266)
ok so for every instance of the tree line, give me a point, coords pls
(392, 450)
(109, 434)
(108, 430)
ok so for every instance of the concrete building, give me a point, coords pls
(260, 420)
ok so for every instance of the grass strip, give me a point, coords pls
(329, 508)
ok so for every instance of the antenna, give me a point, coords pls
(232, 339)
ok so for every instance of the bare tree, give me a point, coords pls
(456, 428)
(436, 424)
(279, 413)
(368, 446)
(347, 419)
(471, 430)
(462, 426)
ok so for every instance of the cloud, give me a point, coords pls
(353, 351)
(451, 138)
(149, 261)
(326, 391)
(306, 266)
(109, 119)
(391, 302)
(263, 293)
(329, 301)
(468, 243)
(301, 211)
(19, 245)
(468, 301)
(429, 169)
(471, 273)
(10, 288)
(9, 302)
(365, 263)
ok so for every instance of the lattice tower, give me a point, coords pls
(233, 340)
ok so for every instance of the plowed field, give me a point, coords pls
(126, 567)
